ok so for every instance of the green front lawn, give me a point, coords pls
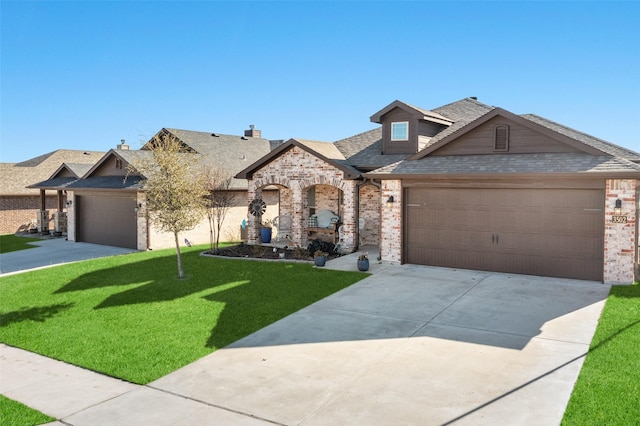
(14, 413)
(130, 317)
(608, 389)
(10, 242)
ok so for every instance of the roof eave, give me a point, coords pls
(419, 114)
(445, 176)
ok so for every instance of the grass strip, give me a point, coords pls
(14, 413)
(9, 243)
(130, 317)
(608, 388)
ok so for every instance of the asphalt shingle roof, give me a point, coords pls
(233, 153)
(586, 139)
(510, 163)
(364, 150)
(107, 182)
(16, 177)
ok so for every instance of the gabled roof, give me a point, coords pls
(584, 138)
(495, 112)
(364, 150)
(78, 170)
(63, 176)
(418, 113)
(327, 152)
(128, 156)
(80, 176)
(17, 178)
(233, 153)
(133, 181)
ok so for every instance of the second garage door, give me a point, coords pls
(106, 219)
(548, 232)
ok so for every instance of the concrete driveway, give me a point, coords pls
(54, 251)
(409, 345)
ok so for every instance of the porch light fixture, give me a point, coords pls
(69, 202)
(138, 207)
(390, 199)
(618, 207)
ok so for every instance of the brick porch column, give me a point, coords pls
(620, 240)
(391, 221)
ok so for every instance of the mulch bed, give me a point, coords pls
(267, 252)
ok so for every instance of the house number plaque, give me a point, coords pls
(618, 219)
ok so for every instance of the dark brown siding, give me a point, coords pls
(521, 140)
(547, 232)
(113, 166)
(106, 219)
(397, 147)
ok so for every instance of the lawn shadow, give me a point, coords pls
(120, 275)
(491, 309)
(249, 308)
(37, 313)
(154, 280)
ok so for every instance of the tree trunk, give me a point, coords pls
(211, 238)
(180, 271)
(218, 228)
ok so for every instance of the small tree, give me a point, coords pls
(219, 201)
(174, 187)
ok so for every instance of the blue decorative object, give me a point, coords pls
(363, 265)
(265, 235)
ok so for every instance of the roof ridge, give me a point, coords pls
(35, 161)
(470, 99)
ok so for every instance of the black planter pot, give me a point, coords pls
(320, 260)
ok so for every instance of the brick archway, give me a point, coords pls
(298, 170)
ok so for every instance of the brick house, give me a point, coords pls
(20, 205)
(465, 185)
(105, 208)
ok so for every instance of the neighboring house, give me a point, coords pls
(465, 185)
(106, 205)
(20, 205)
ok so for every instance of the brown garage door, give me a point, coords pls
(106, 220)
(548, 232)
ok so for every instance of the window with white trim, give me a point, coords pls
(400, 131)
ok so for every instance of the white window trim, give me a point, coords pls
(406, 123)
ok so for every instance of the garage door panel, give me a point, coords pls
(552, 232)
(107, 220)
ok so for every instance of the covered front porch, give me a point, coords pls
(307, 211)
(319, 198)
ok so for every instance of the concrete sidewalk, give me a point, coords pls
(54, 251)
(408, 345)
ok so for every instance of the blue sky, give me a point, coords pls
(83, 75)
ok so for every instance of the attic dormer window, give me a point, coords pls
(501, 138)
(400, 131)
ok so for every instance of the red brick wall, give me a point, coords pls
(17, 212)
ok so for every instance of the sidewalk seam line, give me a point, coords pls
(213, 405)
